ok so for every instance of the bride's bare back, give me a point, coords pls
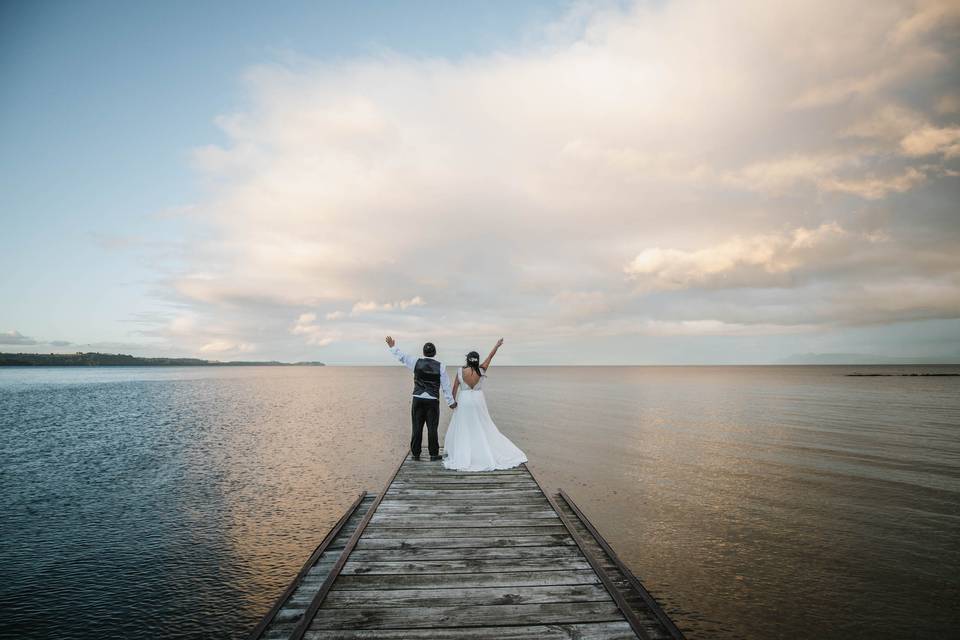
(470, 377)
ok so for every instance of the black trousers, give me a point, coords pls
(425, 411)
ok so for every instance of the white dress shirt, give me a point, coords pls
(410, 362)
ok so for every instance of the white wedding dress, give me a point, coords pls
(473, 442)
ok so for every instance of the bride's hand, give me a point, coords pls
(499, 343)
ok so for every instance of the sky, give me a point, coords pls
(668, 182)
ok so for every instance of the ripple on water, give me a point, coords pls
(754, 502)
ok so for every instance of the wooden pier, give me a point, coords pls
(447, 554)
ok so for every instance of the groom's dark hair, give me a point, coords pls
(429, 350)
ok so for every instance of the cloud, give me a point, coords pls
(14, 337)
(371, 306)
(223, 346)
(191, 332)
(931, 140)
(719, 328)
(872, 187)
(315, 334)
(928, 16)
(598, 180)
(759, 260)
(322, 335)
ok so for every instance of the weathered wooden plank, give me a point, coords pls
(466, 597)
(470, 495)
(322, 567)
(464, 616)
(485, 501)
(466, 480)
(449, 580)
(441, 470)
(451, 494)
(589, 631)
(459, 513)
(481, 503)
(427, 553)
(414, 469)
(461, 507)
(544, 527)
(405, 507)
(456, 486)
(467, 483)
(480, 497)
(465, 521)
(353, 567)
(466, 543)
(475, 488)
(462, 478)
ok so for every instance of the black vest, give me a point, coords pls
(426, 377)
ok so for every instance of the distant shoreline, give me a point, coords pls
(124, 360)
(94, 359)
(902, 375)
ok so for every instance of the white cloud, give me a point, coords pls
(510, 189)
(929, 15)
(931, 140)
(371, 306)
(740, 261)
(873, 187)
(315, 334)
(14, 337)
(224, 346)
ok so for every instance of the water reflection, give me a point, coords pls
(764, 502)
(754, 502)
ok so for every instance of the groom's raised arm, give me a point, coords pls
(407, 360)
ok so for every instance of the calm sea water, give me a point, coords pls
(755, 502)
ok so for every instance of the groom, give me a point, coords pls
(429, 376)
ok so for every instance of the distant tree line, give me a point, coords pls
(123, 360)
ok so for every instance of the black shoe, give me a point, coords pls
(417, 458)
(435, 458)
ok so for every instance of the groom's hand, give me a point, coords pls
(391, 342)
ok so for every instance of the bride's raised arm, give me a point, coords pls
(486, 363)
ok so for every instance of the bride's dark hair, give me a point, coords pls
(473, 361)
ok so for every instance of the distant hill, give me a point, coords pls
(124, 360)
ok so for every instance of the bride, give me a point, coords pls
(473, 442)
